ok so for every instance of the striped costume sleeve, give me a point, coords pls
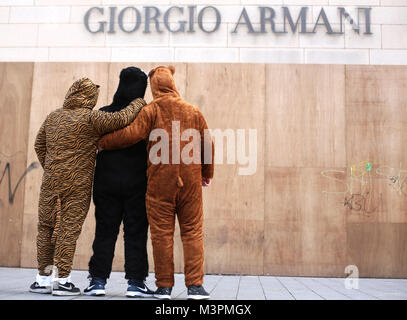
(40, 145)
(105, 122)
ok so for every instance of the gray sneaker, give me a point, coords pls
(163, 293)
(197, 293)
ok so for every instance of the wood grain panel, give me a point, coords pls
(231, 96)
(50, 84)
(305, 116)
(378, 249)
(305, 230)
(15, 102)
(233, 246)
(376, 119)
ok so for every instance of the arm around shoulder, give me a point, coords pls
(105, 122)
(138, 130)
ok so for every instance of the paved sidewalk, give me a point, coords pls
(14, 283)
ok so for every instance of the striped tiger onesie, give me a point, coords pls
(66, 148)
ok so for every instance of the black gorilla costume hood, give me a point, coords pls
(132, 85)
(116, 169)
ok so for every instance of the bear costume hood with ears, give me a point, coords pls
(82, 94)
(162, 82)
(132, 85)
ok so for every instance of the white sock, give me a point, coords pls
(63, 280)
(44, 281)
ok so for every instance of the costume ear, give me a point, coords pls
(150, 74)
(172, 69)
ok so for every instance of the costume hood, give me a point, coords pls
(132, 85)
(162, 82)
(82, 94)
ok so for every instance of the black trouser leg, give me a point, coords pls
(108, 212)
(135, 236)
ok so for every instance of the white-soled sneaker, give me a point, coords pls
(197, 293)
(67, 289)
(96, 287)
(138, 289)
(163, 293)
(36, 288)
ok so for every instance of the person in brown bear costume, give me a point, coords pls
(66, 148)
(173, 188)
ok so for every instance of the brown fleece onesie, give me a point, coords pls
(172, 188)
(66, 148)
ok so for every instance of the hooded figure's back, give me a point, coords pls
(169, 114)
(125, 168)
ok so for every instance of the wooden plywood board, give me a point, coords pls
(305, 228)
(293, 217)
(15, 102)
(231, 97)
(378, 249)
(50, 84)
(305, 116)
(233, 246)
(376, 120)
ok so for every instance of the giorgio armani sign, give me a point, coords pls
(150, 19)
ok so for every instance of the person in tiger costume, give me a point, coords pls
(174, 188)
(66, 147)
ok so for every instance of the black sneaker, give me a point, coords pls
(163, 293)
(36, 288)
(197, 293)
(96, 287)
(67, 289)
(138, 288)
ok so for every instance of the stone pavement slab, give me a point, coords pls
(14, 283)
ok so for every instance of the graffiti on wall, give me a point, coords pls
(7, 177)
(359, 182)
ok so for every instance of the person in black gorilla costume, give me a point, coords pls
(119, 190)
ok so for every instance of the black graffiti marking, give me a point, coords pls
(398, 184)
(358, 202)
(353, 202)
(394, 179)
(7, 169)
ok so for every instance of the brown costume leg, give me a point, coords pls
(190, 217)
(47, 215)
(74, 208)
(161, 218)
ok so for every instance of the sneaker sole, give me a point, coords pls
(138, 295)
(198, 297)
(98, 292)
(42, 291)
(65, 293)
(162, 297)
